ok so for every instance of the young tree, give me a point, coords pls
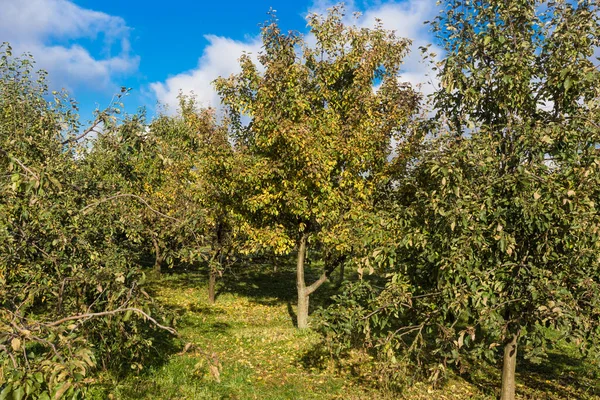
(181, 166)
(520, 93)
(60, 267)
(321, 121)
(497, 240)
(212, 187)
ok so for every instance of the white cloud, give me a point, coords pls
(407, 19)
(42, 27)
(220, 57)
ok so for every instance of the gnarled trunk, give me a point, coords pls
(509, 368)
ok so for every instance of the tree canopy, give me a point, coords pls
(470, 216)
(320, 135)
(496, 230)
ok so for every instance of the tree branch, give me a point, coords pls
(322, 279)
(5, 350)
(29, 171)
(83, 210)
(113, 312)
(85, 133)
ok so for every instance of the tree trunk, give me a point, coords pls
(509, 368)
(342, 273)
(217, 245)
(304, 291)
(212, 283)
(158, 258)
(303, 299)
(301, 284)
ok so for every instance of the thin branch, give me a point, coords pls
(85, 133)
(113, 312)
(5, 350)
(408, 329)
(29, 171)
(83, 210)
(378, 309)
(584, 119)
(383, 307)
(25, 358)
(324, 277)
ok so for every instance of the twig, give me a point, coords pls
(25, 168)
(127, 195)
(377, 310)
(49, 344)
(95, 300)
(85, 133)
(25, 357)
(5, 350)
(113, 312)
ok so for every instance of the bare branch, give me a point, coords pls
(85, 133)
(119, 195)
(112, 312)
(322, 279)
(29, 171)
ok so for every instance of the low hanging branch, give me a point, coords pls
(25, 328)
(120, 195)
(112, 312)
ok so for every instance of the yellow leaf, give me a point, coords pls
(62, 390)
(214, 371)
(15, 344)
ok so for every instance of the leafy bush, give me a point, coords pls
(71, 298)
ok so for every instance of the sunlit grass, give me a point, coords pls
(246, 347)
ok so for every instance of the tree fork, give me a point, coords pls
(304, 291)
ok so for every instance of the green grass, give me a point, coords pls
(246, 347)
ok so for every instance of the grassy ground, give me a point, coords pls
(246, 347)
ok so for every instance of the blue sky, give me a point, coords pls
(93, 47)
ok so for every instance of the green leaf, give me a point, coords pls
(18, 393)
(39, 377)
(6, 391)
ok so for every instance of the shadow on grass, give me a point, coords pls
(263, 284)
(266, 281)
(163, 346)
(292, 314)
(564, 375)
(561, 376)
